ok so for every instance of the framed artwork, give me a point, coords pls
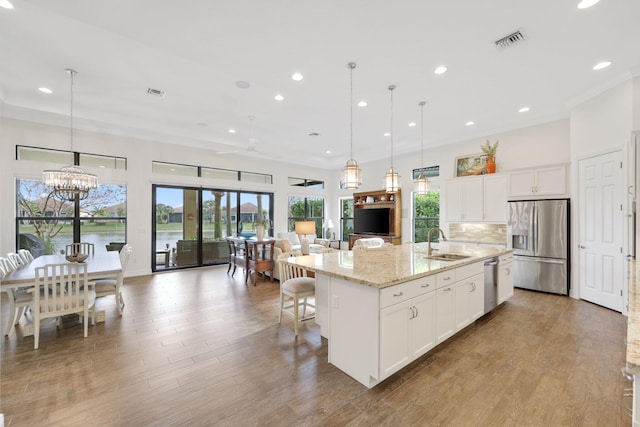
(474, 164)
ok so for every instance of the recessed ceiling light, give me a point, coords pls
(440, 70)
(601, 65)
(6, 4)
(327, 152)
(524, 110)
(387, 134)
(232, 131)
(470, 123)
(587, 3)
(242, 84)
(412, 124)
(278, 97)
(45, 90)
(362, 104)
(297, 77)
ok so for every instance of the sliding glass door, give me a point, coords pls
(190, 224)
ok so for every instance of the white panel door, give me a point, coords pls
(601, 230)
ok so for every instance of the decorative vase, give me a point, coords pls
(260, 232)
(491, 164)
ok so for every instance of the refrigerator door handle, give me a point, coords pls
(535, 259)
(534, 229)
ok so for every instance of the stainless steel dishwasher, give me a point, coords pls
(490, 284)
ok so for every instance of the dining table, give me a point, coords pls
(100, 265)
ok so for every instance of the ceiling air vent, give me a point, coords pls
(509, 40)
(156, 92)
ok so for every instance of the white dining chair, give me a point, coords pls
(25, 255)
(295, 284)
(113, 285)
(20, 299)
(16, 259)
(60, 290)
(80, 248)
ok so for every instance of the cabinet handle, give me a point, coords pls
(411, 316)
(398, 294)
(447, 289)
(446, 278)
(473, 287)
(416, 311)
(508, 272)
(424, 286)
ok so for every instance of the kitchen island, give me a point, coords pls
(383, 308)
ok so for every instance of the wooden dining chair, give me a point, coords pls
(79, 248)
(295, 284)
(60, 290)
(20, 299)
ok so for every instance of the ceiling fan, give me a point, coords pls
(252, 142)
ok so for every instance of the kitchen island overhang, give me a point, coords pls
(380, 309)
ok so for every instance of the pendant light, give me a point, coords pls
(70, 182)
(351, 174)
(392, 179)
(421, 183)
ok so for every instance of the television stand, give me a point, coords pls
(395, 240)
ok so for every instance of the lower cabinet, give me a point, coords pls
(505, 278)
(407, 331)
(445, 313)
(469, 301)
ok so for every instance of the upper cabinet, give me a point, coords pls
(477, 199)
(540, 182)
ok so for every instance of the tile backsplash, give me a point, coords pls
(483, 233)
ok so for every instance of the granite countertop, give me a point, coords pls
(388, 266)
(633, 321)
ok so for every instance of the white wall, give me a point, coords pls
(138, 177)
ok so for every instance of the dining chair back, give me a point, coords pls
(25, 255)
(61, 289)
(20, 299)
(7, 265)
(16, 259)
(295, 284)
(79, 248)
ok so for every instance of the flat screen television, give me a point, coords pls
(372, 221)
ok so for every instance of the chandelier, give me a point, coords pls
(351, 174)
(421, 183)
(70, 182)
(392, 179)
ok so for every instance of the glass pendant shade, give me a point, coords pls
(70, 181)
(351, 175)
(421, 185)
(392, 181)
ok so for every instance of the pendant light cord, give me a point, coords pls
(351, 65)
(422, 136)
(391, 88)
(71, 73)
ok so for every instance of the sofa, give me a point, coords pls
(315, 244)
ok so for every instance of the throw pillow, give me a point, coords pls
(293, 238)
(284, 245)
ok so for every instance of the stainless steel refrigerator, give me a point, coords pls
(538, 233)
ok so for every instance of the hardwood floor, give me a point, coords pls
(199, 348)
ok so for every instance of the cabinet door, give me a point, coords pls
(505, 281)
(394, 337)
(473, 200)
(423, 324)
(462, 294)
(520, 183)
(476, 297)
(455, 200)
(495, 198)
(445, 313)
(551, 181)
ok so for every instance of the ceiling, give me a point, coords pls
(197, 50)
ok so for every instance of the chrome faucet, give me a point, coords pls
(429, 238)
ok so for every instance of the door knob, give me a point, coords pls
(582, 246)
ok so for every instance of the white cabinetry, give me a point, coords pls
(407, 327)
(505, 278)
(464, 199)
(469, 301)
(477, 198)
(445, 313)
(549, 181)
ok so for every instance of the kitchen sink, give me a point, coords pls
(447, 257)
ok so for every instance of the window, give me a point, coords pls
(44, 222)
(201, 171)
(190, 224)
(346, 218)
(426, 214)
(309, 208)
(67, 158)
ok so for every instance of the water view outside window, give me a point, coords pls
(45, 225)
(426, 214)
